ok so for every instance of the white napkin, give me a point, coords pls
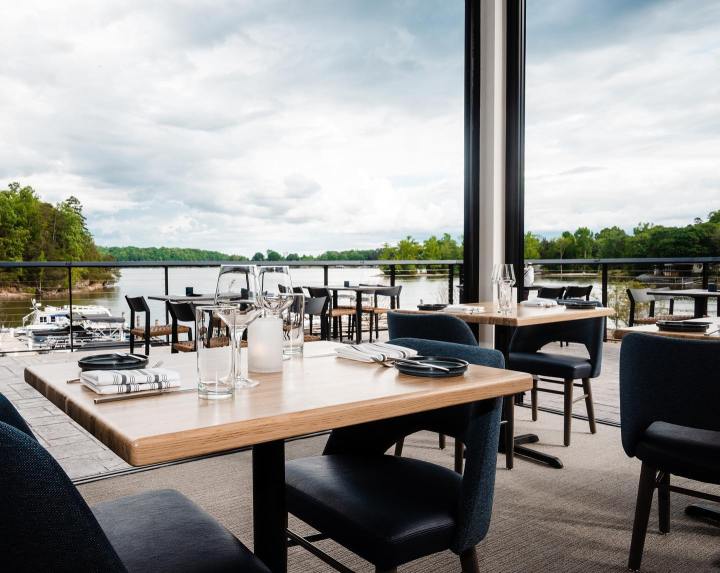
(542, 303)
(373, 351)
(126, 381)
(464, 309)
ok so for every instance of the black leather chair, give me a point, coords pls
(669, 399)
(391, 510)
(318, 306)
(180, 312)
(333, 312)
(551, 292)
(578, 292)
(139, 304)
(524, 355)
(450, 329)
(47, 526)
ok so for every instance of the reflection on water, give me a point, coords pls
(147, 282)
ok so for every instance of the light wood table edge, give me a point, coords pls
(202, 441)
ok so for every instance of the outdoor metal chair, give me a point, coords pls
(139, 304)
(181, 312)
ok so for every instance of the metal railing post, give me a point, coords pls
(70, 293)
(705, 275)
(167, 292)
(451, 286)
(326, 274)
(392, 275)
(604, 268)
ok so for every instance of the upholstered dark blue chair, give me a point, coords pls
(669, 399)
(525, 355)
(391, 510)
(412, 329)
(45, 524)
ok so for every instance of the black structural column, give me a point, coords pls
(515, 140)
(471, 256)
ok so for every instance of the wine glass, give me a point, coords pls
(237, 289)
(276, 288)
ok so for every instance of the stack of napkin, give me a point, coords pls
(374, 351)
(126, 381)
(464, 309)
(542, 303)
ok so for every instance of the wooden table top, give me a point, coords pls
(522, 315)
(315, 393)
(356, 288)
(691, 292)
(653, 329)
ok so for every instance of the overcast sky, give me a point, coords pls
(318, 124)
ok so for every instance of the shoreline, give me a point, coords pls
(15, 294)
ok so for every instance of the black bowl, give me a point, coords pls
(431, 306)
(114, 361)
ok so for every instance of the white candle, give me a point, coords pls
(265, 342)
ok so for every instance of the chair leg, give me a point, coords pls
(377, 326)
(534, 399)
(568, 411)
(379, 570)
(399, 447)
(646, 488)
(147, 345)
(509, 407)
(132, 344)
(587, 390)
(459, 456)
(441, 441)
(664, 502)
(469, 561)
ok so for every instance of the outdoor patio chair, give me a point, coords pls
(333, 313)
(578, 292)
(392, 294)
(181, 312)
(391, 510)
(525, 355)
(47, 526)
(669, 421)
(640, 296)
(318, 306)
(551, 292)
(418, 330)
(139, 304)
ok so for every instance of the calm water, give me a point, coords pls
(147, 282)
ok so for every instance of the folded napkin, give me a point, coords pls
(126, 381)
(464, 309)
(374, 351)
(542, 303)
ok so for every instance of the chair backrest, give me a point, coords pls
(476, 425)
(11, 416)
(588, 332)
(430, 327)
(181, 311)
(667, 379)
(298, 290)
(316, 306)
(551, 292)
(578, 292)
(46, 524)
(315, 292)
(137, 304)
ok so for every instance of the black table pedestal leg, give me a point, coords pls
(503, 334)
(269, 507)
(358, 318)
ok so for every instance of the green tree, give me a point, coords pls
(258, 256)
(584, 242)
(532, 246)
(273, 255)
(612, 242)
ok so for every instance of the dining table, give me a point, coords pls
(712, 332)
(504, 325)
(359, 290)
(316, 392)
(700, 297)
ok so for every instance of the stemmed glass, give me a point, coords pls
(276, 290)
(503, 275)
(237, 287)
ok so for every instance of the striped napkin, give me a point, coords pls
(464, 309)
(542, 303)
(373, 351)
(126, 381)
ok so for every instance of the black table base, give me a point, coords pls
(270, 518)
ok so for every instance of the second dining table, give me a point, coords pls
(700, 297)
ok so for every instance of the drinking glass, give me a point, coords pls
(237, 289)
(275, 280)
(503, 275)
(293, 318)
(215, 354)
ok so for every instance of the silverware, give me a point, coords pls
(142, 394)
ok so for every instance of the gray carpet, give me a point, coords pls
(575, 519)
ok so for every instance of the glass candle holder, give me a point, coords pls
(215, 353)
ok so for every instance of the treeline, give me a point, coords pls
(167, 254)
(432, 248)
(33, 230)
(700, 239)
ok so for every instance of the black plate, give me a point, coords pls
(456, 365)
(431, 306)
(579, 303)
(682, 326)
(114, 361)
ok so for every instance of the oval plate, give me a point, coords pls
(431, 306)
(114, 361)
(456, 365)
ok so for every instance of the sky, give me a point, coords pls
(304, 126)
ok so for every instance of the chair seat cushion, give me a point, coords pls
(160, 330)
(163, 531)
(688, 452)
(184, 346)
(388, 510)
(546, 364)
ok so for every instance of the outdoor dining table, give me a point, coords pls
(504, 325)
(700, 298)
(314, 393)
(712, 332)
(359, 291)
